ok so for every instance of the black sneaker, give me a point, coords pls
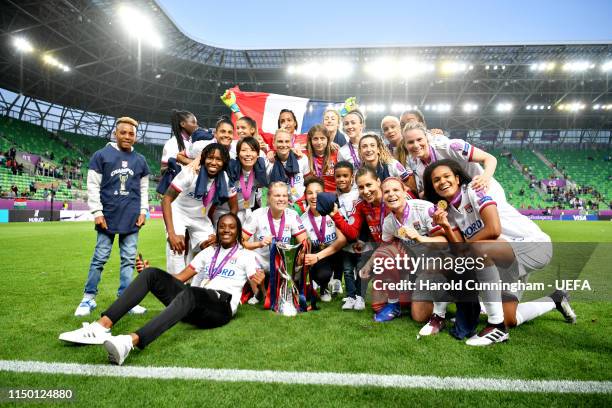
(561, 299)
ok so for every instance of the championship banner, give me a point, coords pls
(28, 157)
(264, 108)
(554, 182)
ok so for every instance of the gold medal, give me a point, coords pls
(293, 191)
(322, 246)
(203, 210)
(402, 232)
(442, 204)
(247, 205)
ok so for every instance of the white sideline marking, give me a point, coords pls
(296, 377)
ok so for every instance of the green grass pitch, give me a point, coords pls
(43, 269)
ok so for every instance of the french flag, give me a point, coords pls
(264, 108)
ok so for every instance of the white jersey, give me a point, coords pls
(244, 206)
(460, 151)
(196, 148)
(296, 185)
(171, 149)
(346, 154)
(417, 217)
(330, 230)
(436, 138)
(185, 183)
(257, 228)
(232, 277)
(396, 169)
(514, 226)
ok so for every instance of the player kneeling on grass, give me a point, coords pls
(510, 244)
(407, 230)
(211, 300)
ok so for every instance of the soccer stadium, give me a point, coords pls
(388, 148)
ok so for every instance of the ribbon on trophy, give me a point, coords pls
(289, 289)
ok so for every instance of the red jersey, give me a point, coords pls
(328, 177)
(363, 212)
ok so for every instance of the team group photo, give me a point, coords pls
(185, 223)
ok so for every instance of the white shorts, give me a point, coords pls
(199, 228)
(531, 253)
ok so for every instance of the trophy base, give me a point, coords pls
(287, 309)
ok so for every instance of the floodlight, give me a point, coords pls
(22, 45)
(139, 26)
(382, 68)
(504, 107)
(578, 66)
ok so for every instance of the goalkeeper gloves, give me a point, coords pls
(350, 104)
(229, 99)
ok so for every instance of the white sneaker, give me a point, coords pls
(349, 304)
(434, 326)
(491, 334)
(326, 297)
(335, 286)
(93, 333)
(253, 300)
(85, 307)
(359, 303)
(138, 310)
(118, 348)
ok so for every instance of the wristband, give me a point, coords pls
(235, 108)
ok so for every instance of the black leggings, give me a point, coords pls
(204, 308)
(322, 272)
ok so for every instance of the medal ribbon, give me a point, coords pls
(356, 161)
(273, 230)
(212, 272)
(404, 217)
(319, 232)
(318, 169)
(247, 188)
(456, 199)
(210, 194)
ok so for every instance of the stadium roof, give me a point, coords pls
(113, 74)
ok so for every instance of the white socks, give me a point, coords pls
(174, 263)
(439, 308)
(492, 299)
(530, 310)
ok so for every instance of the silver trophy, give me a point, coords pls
(288, 272)
(123, 178)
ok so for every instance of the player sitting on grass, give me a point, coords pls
(211, 300)
(508, 242)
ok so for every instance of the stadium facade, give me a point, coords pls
(553, 92)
